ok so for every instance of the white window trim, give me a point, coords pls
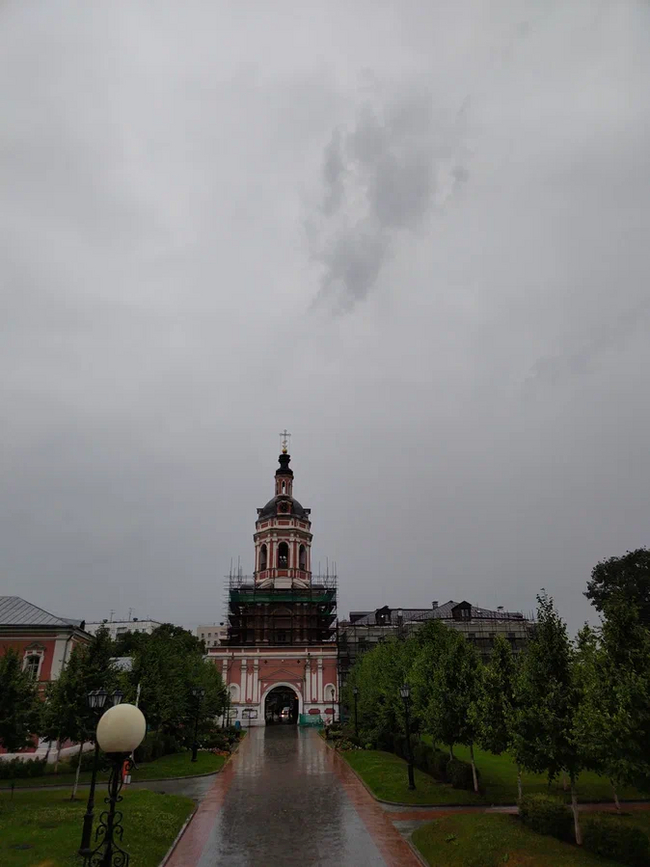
(30, 652)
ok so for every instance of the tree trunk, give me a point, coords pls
(474, 777)
(451, 751)
(616, 801)
(58, 755)
(520, 793)
(76, 779)
(574, 807)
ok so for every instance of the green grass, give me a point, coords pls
(386, 775)
(484, 840)
(499, 779)
(175, 765)
(50, 824)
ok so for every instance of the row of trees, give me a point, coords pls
(165, 667)
(561, 707)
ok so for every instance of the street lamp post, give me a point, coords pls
(96, 701)
(119, 731)
(405, 692)
(355, 692)
(198, 694)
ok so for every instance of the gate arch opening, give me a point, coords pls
(281, 705)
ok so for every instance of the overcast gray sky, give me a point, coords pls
(415, 233)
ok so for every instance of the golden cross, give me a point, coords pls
(285, 436)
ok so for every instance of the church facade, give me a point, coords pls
(279, 662)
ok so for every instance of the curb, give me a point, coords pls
(173, 846)
(177, 839)
(414, 849)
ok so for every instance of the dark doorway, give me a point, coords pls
(281, 706)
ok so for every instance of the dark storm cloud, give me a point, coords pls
(381, 178)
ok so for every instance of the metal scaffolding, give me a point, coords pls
(272, 616)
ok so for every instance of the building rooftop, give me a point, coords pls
(15, 611)
(447, 611)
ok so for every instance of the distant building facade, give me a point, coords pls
(214, 634)
(43, 641)
(121, 627)
(363, 630)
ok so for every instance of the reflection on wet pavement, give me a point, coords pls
(285, 805)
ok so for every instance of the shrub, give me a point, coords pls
(439, 763)
(546, 815)
(155, 745)
(459, 774)
(87, 760)
(17, 768)
(216, 740)
(610, 838)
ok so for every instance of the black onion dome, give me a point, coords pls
(271, 508)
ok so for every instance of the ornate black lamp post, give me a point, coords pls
(405, 692)
(96, 701)
(198, 694)
(119, 731)
(355, 692)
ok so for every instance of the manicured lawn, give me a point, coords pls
(175, 765)
(50, 824)
(386, 775)
(488, 840)
(499, 779)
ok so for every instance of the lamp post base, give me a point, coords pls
(108, 853)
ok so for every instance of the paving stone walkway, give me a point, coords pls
(286, 799)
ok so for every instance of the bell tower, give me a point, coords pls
(283, 534)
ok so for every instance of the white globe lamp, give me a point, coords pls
(121, 729)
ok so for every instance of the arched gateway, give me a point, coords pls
(281, 648)
(282, 704)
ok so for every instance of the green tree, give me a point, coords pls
(614, 716)
(167, 664)
(548, 698)
(496, 702)
(66, 713)
(20, 706)
(378, 675)
(450, 716)
(627, 578)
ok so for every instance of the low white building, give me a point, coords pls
(214, 634)
(121, 627)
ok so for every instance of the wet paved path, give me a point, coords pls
(286, 799)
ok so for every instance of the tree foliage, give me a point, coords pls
(496, 701)
(614, 717)
(20, 706)
(626, 578)
(167, 665)
(548, 699)
(66, 713)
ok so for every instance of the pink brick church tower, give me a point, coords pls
(280, 660)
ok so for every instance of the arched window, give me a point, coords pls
(263, 558)
(302, 557)
(284, 488)
(330, 692)
(283, 555)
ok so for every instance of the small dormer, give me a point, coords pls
(462, 611)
